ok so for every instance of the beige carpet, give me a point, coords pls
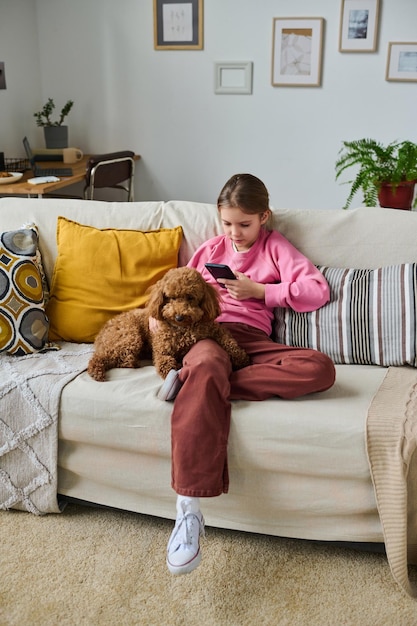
(100, 567)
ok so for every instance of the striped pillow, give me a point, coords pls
(370, 319)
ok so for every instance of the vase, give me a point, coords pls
(56, 136)
(398, 197)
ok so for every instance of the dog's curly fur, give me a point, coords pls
(186, 308)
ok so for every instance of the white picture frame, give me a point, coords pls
(233, 77)
(402, 62)
(358, 25)
(297, 47)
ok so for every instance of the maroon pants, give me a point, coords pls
(200, 420)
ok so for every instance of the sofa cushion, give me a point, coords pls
(102, 272)
(23, 321)
(371, 317)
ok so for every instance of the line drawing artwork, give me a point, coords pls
(296, 51)
(177, 20)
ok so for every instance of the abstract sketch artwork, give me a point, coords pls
(296, 51)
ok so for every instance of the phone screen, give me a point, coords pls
(219, 270)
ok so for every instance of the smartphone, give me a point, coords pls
(218, 270)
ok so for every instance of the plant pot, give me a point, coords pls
(400, 197)
(56, 136)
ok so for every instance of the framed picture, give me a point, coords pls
(402, 62)
(233, 77)
(297, 44)
(358, 25)
(178, 25)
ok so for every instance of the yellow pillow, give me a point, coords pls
(99, 273)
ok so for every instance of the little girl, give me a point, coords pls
(270, 273)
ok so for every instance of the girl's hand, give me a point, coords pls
(153, 325)
(244, 288)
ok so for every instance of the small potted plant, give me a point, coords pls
(56, 134)
(387, 174)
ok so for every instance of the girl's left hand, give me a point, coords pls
(153, 325)
(244, 288)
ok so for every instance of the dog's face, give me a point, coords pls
(183, 298)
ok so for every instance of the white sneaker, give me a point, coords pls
(170, 387)
(183, 551)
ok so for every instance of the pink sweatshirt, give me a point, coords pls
(290, 279)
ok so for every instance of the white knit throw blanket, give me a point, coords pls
(30, 392)
(391, 444)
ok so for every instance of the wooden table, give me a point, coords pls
(23, 188)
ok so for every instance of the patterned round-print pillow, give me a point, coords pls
(23, 323)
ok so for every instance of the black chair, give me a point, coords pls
(112, 170)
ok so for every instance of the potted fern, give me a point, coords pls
(56, 134)
(387, 174)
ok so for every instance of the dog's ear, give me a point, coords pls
(156, 301)
(210, 304)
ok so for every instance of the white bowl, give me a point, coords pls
(12, 178)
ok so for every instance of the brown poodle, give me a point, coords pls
(185, 307)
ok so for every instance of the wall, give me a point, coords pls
(162, 103)
(19, 49)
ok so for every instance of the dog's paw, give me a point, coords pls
(240, 359)
(164, 370)
(96, 370)
(99, 376)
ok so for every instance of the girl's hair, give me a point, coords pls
(246, 192)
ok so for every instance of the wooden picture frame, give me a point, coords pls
(297, 48)
(358, 25)
(178, 24)
(402, 62)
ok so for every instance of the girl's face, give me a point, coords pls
(242, 228)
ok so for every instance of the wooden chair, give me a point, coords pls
(112, 170)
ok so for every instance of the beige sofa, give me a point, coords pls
(297, 468)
